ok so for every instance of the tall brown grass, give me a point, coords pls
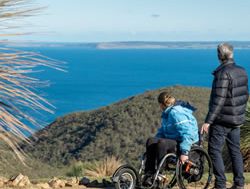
(19, 101)
(104, 168)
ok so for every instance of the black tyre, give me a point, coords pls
(197, 173)
(125, 178)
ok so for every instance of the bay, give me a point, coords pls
(97, 78)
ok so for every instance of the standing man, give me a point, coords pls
(226, 114)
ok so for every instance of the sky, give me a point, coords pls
(138, 20)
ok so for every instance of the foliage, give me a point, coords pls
(120, 129)
(10, 165)
(76, 170)
(104, 168)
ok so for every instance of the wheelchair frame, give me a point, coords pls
(177, 177)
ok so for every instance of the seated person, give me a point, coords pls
(179, 131)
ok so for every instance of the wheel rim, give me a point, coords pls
(167, 169)
(126, 181)
(186, 179)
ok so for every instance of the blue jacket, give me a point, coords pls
(178, 123)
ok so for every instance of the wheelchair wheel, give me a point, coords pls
(197, 172)
(166, 173)
(125, 178)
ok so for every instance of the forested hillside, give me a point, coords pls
(120, 129)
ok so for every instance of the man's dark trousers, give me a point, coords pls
(217, 136)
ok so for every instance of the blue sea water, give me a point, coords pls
(97, 78)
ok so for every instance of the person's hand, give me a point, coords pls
(205, 128)
(183, 158)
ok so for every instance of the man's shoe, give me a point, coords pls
(236, 187)
(218, 188)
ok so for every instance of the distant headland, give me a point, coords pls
(130, 44)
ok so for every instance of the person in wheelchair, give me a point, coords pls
(178, 132)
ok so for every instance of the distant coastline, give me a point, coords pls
(129, 45)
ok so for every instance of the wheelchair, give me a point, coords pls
(195, 173)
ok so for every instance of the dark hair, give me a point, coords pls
(166, 99)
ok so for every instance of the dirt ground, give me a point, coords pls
(82, 187)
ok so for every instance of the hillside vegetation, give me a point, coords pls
(120, 129)
(10, 165)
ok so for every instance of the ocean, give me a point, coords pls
(97, 78)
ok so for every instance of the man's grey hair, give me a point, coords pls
(225, 51)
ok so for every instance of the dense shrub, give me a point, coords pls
(120, 129)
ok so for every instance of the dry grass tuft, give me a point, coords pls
(104, 168)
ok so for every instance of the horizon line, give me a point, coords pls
(125, 41)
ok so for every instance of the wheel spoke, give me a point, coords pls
(196, 174)
(126, 178)
(166, 172)
(126, 181)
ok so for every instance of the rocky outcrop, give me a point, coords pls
(57, 183)
(22, 181)
(43, 186)
(72, 182)
(19, 180)
(3, 181)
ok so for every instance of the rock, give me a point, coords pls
(19, 180)
(1, 184)
(16, 179)
(57, 183)
(72, 182)
(3, 181)
(24, 182)
(43, 185)
(84, 181)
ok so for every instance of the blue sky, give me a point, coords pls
(140, 20)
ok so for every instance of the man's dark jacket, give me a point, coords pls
(229, 95)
